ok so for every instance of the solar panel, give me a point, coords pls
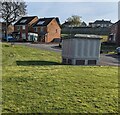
(23, 21)
(40, 22)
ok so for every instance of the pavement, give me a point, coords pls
(109, 59)
(105, 59)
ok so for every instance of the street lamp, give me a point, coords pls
(6, 32)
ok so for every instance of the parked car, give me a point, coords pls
(9, 38)
(118, 50)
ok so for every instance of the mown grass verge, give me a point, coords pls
(34, 81)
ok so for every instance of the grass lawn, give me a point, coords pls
(104, 38)
(34, 81)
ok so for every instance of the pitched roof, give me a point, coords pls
(102, 22)
(45, 21)
(66, 23)
(25, 20)
(116, 23)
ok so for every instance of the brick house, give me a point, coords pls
(23, 26)
(48, 29)
(114, 36)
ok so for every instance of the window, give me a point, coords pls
(35, 29)
(41, 29)
(102, 25)
(105, 25)
(18, 27)
(98, 25)
(23, 27)
(56, 30)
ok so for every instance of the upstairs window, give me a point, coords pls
(105, 25)
(41, 29)
(18, 27)
(56, 30)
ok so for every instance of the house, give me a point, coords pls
(24, 26)
(100, 23)
(48, 29)
(68, 24)
(114, 36)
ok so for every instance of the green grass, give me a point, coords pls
(64, 35)
(104, 38)
(34, 81)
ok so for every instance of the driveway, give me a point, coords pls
(105, 59)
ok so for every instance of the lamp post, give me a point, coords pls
(6, 32)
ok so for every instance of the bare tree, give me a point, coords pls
(11, 10)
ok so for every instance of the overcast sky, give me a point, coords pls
(89, 11)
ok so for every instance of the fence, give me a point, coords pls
(86, 30)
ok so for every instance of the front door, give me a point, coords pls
(41, 38)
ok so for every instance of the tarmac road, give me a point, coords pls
(109, 59)
(105, 59)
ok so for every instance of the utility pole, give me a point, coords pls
(71, 28)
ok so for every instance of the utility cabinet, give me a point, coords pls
(81, 50)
